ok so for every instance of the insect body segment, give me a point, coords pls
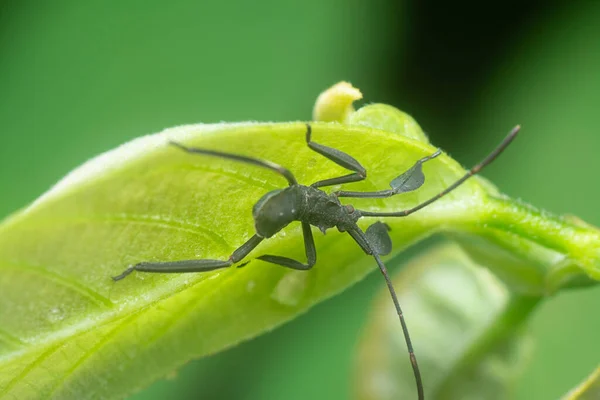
(276, 209)
(312, 206)
(325, 211)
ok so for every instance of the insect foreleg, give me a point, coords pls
(340, 158)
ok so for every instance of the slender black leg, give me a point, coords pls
(193, 265)
(359, 236)
(361, 240)
(376, 239)
(340, 158)
(476, 169)
(261, 163)
(309, 247)
(406, 182)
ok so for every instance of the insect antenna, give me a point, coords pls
(476, 169)
(409, 346)
(359, 236)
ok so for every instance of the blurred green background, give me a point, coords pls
(78, 78)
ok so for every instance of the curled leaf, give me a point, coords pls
(335, 103)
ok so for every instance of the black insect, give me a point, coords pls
(312, 206)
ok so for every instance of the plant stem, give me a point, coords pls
(580, 242)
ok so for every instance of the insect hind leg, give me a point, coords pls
(184, 266)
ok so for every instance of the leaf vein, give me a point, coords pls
(59, 280)
(10, 340)
(92, 350)
(247, 179)
(30, 367)
(161, 222)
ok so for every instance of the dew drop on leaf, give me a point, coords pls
(55, 315)
(292, 288)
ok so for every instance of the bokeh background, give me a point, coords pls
(78, 78)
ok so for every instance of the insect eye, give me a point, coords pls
(349, 209)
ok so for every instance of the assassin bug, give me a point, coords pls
(312, 206)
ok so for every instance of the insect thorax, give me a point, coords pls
(325, 211)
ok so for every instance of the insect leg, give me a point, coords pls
(476, 169)
(406, 182)
(340, 158)
(193, 265)
(261, 163)
(359, 236)
(309, 247)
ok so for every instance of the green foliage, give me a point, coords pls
(388, 118)
(466, 329)
(588, 389)
(547, 82)
(66, 327)
(64, 320)
(78, 78)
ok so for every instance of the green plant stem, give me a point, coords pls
(556, 233)
(589, 389)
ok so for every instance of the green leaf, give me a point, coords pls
(532, 251)
(465, 327)
(588, 389)
(68, 331)
(388, 118)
